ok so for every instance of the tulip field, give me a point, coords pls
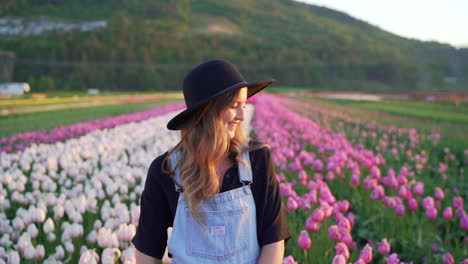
(355, 190)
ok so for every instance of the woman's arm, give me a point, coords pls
(142, 258)
(272, 253)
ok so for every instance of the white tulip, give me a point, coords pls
(97, 224)
(104, 237)
(59, 252)
(89, 257)
(58, 211)
(18, 223)
(32, 230)
(92, 236)
(29, 252)
(13, 257)
(69, 247)
(128, 255)
(40, 252)
(126, 232)
(109, 255)
(48, 225)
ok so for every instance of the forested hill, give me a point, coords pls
(150, 45)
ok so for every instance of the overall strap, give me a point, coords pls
(174, 159)
(245, 172)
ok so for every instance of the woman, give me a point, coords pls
(216, 187)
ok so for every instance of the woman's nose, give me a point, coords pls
(240, 114)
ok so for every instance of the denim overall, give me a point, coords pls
(230, 231)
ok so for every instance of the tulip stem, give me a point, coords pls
(305, 255)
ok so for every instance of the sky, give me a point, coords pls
(442, 21)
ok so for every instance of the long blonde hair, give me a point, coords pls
(202, 145)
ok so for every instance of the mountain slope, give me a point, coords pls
(151, 44)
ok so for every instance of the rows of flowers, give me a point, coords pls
(336, 191)
(21, 141)
(78, 201)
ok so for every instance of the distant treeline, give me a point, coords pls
(150, 45)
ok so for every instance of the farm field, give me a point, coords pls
(358, 185)
(434, 111)
(47, 120)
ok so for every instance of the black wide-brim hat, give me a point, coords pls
(207, 81)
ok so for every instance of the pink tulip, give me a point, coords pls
(458, 202)
(304, 240)
(292, 204)
(418, 189)
(400, 210)
(342, 249)
(464, 222)
(359, 261)
(378, 193)
(447, 259)
(413, 204)
(431, 213)
(392, 259)
(366, 254)
(384, 247)
(447, 214)
(346, 236)
(428, 202)
(334, 233)
(318, 214)
(339, 259)
(389, 202)
(289, 260)
(303, 177)
(351, 217)
(344, 223)
(369, 183)
(355, 180)
(343, 205)
(439, 194)
(311, 225)
(460, 212)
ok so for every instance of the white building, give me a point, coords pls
(11, 88)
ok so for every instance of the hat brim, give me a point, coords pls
(177, 122)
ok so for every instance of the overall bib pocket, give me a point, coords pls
(221, 237)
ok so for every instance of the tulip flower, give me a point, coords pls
(392, 259)
(384, 247)
(366, 254)
(447, 258)
(318, 215)
(419, 188)
(431, 213)
(413, 204)
(458, 202)
(289, 260)
(89, 257)
(342, 249)
(292, 204)
(339, 259)
(304, 240)
(311, 225)
(447, 213)
(439, 194)
(464, 222)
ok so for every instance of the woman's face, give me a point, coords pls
(234, 113)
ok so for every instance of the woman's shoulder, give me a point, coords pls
(259, 148)
(155, 171)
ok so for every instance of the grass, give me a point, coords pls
(15, 124)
